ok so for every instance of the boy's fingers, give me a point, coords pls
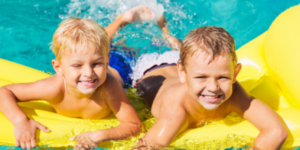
(23, 145)
(79, 146)
(73, 138)
(42, 127)
(33, 143)
(17, 143)
(28, 145)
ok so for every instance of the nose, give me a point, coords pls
(212, 85)
(87, 71)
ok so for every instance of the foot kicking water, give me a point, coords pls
(139, 13)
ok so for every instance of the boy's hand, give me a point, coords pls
(25, 133)
(84, 141)
(143, 144)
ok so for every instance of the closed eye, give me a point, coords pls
(223, 77)
(98, 64)
(76, 65)
(201, 77)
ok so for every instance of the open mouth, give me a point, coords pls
(211, 98)
(88, 83)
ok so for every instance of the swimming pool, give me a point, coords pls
(27, 26)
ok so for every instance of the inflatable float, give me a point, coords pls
(270, 73)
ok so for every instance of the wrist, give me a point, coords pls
(19, 120)
(97, 136)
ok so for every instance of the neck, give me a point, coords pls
(74, 92)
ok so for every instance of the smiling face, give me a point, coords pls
(84, 71)
(209, 82)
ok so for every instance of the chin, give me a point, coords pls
(87, 91)
(210, 106)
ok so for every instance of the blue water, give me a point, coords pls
(27, 26)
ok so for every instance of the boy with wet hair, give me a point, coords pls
(82, 87)
(202, 87)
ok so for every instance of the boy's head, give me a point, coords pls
(77, 34)
(213, 41)
(81, 48)
(208, 64)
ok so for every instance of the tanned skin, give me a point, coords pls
(205, 90)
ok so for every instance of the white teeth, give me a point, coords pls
(85, 82)
(210, 97)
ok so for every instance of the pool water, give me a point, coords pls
(27, 26)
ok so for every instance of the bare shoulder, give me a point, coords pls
(173, 98)
(240, 100)
(110, 84)
(111, 88)
(55, 87)
(48, 89)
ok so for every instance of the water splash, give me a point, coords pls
(144, 36)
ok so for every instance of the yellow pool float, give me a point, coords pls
(270, 73)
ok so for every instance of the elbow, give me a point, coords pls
(281, 133)
(137, 129)
(2, 89)
(3, 92)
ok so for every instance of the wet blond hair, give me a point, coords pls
(210, 40)
(77, 34)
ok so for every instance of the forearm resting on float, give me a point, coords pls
(170, 123)
(271, 138)
(10, 108)
(122, 131)
(273, 130)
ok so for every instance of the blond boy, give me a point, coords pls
(202, 87)
(81, 87)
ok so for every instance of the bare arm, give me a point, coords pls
(112, 28)
(171, 121)
(24, 128)
(124, 111)
(272, 128)
(162, 23)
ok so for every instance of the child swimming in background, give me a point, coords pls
(200, 87)
(137, 13)
(84, 86)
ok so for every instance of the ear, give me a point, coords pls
(237, 71)
(57, 67)
(181, 73)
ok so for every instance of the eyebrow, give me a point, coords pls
(78, 60)
(220, 74)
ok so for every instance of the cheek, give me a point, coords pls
(195, 86)
(71, 73)
(100, 71)
(226, 87)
